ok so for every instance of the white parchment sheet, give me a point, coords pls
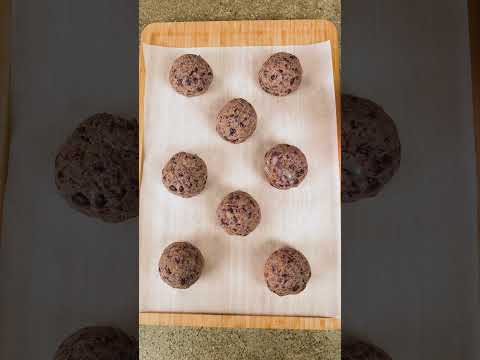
(306, 218)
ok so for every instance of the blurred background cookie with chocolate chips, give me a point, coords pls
(96, 169)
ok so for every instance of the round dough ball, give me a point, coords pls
(96, 169)
(185, 175)
(371, 149)
(98, 343)
(285, 166)
(287, 272)
(281, 74)
(180, 265)
(238, 213)
(190, 75)
(236, 121)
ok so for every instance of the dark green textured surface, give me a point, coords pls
(159, 343)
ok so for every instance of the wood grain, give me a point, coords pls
(4, 98)
(239, 321)
(238, 33)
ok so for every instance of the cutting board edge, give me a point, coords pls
(239, 321)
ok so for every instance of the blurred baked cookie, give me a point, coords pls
(96, 169)
(371, 149)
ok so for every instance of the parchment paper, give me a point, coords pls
(306, 218)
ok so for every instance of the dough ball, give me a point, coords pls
(371, 149)
(190, 75)
(96, 169)
(185, 175)
(281, 74)
(238, 213)
(287, 272)
(236, 121)
(98, 343)
(285, 166)
(181, 265)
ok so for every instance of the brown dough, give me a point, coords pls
(236, 121)
(285, 166)
(281, 74)
(287, 272)
(238, 213)
(180, 265)
(185, 175)
(190, 75)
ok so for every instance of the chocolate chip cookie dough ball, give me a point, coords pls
(185, 175)
(180, 265)
(98, 343)
(238, 213)
(281, 74)
(285, 166)
(190, 75)
(287, 272)
(236, 121)
(371, 149)
(96, 169)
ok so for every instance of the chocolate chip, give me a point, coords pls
(101, 201)
(81, 200)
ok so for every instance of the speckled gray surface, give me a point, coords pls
(160, 343)
(209, 10)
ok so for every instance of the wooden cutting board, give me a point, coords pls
(238, 33)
